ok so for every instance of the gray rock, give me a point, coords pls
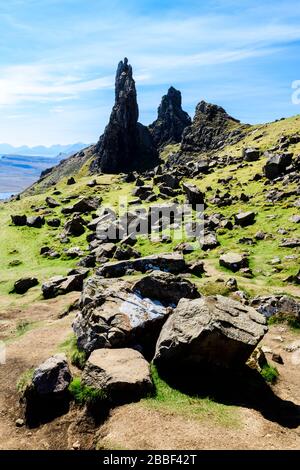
(51, 202)
(52, 376)
(233, 261)
(60, 285)
(251, 154)
(35, 221)
(55, 222)
(277, 164)
(113, 316)
(244, 218)
(74, 227)
(122, 374)
(165, 287)
(290, 243)
(210, 330)
(193, 193)
(209, 241)
(277, 304)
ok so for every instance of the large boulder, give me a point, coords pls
(21, 286)
(74, 227)
(244, 218)
(52, 376)
(251, 154)
(126, 144)
(276, 165)
(113, 316)
(60, 285)
(51, 202)
(193, 194)
(233, 261)
(165, 287)
(86, 204)
(35, 221)
(47, 396)
(169, 262)
(210, 330)
(19, 220)
(122, 374)
(171, 120)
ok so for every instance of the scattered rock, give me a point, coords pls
(277, 358)
(276, 165)
(51, 202)
(233, 261)
(35, 221)
(251, 154)
(71, 181)
(194, 195)
(19, 220)
(21, 286)
(244, 218)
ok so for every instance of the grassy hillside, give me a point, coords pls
(20, 246)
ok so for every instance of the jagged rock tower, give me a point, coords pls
(126, 144)
(171, 120)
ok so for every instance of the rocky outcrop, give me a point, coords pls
(171, 120)
(125, 144)
(112, 316)
(123, 375)
(210, 128)
(210, 330)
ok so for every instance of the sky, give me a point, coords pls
(58, 60)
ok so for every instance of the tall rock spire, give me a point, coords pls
(126, 145)
(171, 120)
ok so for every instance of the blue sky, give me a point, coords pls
(58, 61)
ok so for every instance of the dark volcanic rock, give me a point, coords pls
(165, 287)
(35, 221)
(276, 165)
(171, 120)
(233, 261)
(193, 193)
(51, 202)
(210, 128)
(19, 220)
(22, 285)
(244, 218)
(210, 330)
(126, 144)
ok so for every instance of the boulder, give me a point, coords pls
(277, 165)
(35, 221)
(55, 222)
(60, 285)
(233, 261)
(210, 330)
(51, 202)
(74, 227)
(197, 268)
(169, 262)
(209, 241)
(24, 284)
(126, 252)
(19, 220)
(165, 287)
(52, 376)
(290, 243)
(122, 374)
(245, 218)
(47, 396)
(86, 204)
(71, 181)
(193, 193)
(251, 154)
(113, 316)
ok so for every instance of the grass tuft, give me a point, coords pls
(269, 373)
(83, 394)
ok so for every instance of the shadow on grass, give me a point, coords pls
(244, 387)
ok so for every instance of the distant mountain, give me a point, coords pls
(40, 150)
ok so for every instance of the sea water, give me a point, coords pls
(4, 196)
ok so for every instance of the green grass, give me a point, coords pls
(77, 357)
(172, 400)
(25, 380)
(269, 373)
(23, 326)
(83, 394)
(289, 320)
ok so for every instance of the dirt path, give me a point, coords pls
(26, 352)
